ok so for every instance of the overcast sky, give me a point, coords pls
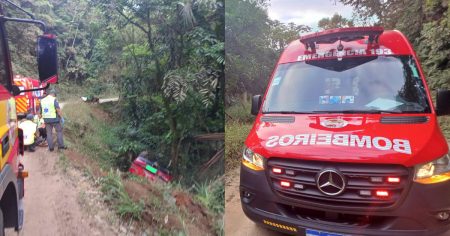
(306, 12)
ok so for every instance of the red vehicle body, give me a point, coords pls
(145, 168)
(27, 101)
(325, 157)
(37, 95)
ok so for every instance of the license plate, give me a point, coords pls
(313, 232)
(151, 169)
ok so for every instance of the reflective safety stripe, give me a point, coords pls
(21, 104)
(29, 129)
(48, 107)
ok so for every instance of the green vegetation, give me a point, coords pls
(164, 60)
(237, 126)
(236, 133)
(115, 194)
(253, 43)
(92, 131)
(336, 21)
(211, 194)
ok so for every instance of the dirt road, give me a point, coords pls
(59, 200)
(236, 223)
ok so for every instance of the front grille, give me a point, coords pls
(358, 177)
(335, 218)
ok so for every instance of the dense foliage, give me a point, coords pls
(253, 43)
(425, 23)
(164, 58)
(172, 78)
(336, 21)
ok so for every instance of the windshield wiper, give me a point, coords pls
(370, 111)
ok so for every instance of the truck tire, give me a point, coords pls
(2, 228)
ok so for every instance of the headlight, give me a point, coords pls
(252, 160)
(433, 172)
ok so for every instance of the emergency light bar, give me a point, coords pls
(343, 34)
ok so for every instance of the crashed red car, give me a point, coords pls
(346, 140)
(149, 169)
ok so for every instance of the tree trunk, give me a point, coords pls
(174, 143)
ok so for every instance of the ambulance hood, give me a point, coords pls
(376, 138)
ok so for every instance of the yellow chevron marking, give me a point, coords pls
(285, 227)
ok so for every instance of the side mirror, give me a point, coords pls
(443, 102)
(256, 104)
(47, 59)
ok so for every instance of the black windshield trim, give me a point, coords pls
(423, 101)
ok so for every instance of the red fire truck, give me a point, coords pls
(27, 102)
(12, 172)
(346, 140)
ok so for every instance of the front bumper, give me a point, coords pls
(414, 215)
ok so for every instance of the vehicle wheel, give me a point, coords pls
(2, 228)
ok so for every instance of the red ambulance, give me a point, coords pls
(346, 140)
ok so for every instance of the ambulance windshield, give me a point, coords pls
(383, 84)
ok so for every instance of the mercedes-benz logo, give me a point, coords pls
(330, 182)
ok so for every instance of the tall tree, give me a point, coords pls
(253, 42)
(336, 21)
(182, 56)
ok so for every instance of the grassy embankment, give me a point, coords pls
(444, 122)
(238, 123)
(170, 209)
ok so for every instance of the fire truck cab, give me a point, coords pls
(27, 102)
(12, 172)
(346, 140)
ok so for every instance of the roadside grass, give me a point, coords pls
(212, 195)
(238, 124)
(63, 162)
(89, 135)
(169, 209)
(66, 91)
(444, 122)
(235, 135)
(239, 112)
(115, 194)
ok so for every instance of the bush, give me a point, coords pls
(212, 195)
(235, 135)
(115, 194)
(239, 112)
(237, 126)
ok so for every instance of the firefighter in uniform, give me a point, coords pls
(29, 129)
(52, 115)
